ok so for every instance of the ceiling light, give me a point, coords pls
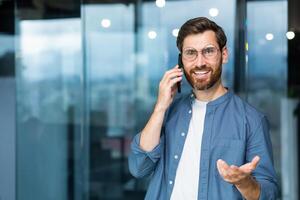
(160, 3)
(105, 23)
(152, 35)
(290, 35)
(175, 32)
(214, 12)
(269, 36)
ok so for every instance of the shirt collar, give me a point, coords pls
(217, 101)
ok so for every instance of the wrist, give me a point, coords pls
(245, 183)
(249, 188)
(158, 108)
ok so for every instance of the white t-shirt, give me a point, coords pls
(187, 174)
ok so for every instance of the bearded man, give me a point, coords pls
(207, 145)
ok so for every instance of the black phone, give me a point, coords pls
(180, 64)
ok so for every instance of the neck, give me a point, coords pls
(210, 94)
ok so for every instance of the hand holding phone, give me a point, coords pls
(167, 87)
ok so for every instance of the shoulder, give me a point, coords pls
(252, 116)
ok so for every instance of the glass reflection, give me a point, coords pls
(109, 40)
(267, 65)
(49, 69)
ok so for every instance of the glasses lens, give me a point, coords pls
(209, 52)
(190, 54)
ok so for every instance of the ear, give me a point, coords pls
(225, 55)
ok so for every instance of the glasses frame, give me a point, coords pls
(201, 51)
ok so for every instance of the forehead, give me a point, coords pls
(200, 40)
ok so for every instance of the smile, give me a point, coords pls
(202, 74)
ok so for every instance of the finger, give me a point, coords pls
(255, 161)
(249, 167)
(168, 83)
(175, 71)
(174, 74)
(171, 75)
(223, 164)
(170, 78)
(222, 167)
(172, 82)
(175, 68)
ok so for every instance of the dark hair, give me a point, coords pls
(200, 25)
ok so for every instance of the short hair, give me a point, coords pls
(200, 25)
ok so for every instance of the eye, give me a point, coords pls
(190, 52)
(209, 51)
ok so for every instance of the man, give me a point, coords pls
(210, 144)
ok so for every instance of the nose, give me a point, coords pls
(200, 60)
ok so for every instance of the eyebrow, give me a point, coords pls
(209, 45)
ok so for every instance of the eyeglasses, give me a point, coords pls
(209, 52)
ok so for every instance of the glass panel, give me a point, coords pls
(49, 101)
(267, 64)
(110, 64)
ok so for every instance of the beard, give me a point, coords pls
(207, 83)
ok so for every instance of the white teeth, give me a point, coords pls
(201, 72)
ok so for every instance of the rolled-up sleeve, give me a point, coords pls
(259, 143)
(268, 190)
(142, 163)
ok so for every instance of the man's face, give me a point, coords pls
(202, 60)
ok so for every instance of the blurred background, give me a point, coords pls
(79, 78)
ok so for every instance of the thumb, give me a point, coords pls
(255, 161)
(249, 167)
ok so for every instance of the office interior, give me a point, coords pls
(79, 78)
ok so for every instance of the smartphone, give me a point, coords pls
(180, 64)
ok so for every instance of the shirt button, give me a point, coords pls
(190, 111)
(182, 134)
(176, 157)
(170, 182)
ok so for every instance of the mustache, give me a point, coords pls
(202, 67)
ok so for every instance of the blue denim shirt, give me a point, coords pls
(233, 131)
